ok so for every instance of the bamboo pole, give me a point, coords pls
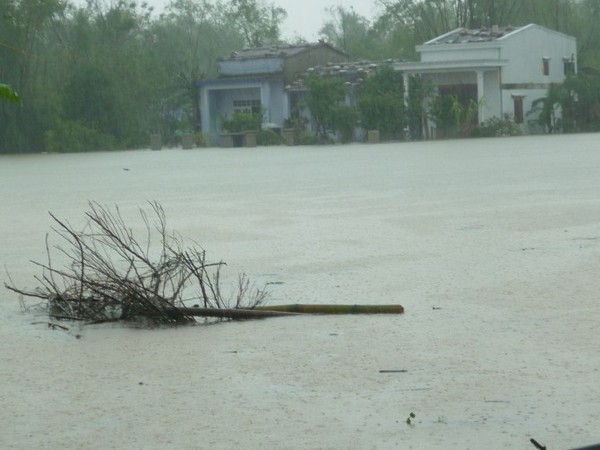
(233, 313)
(335, 309)
(261, 312)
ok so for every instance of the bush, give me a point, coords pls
(496, 127)
(307, 138)
(241, 122)
(71, 136)
(268, 137)
(344, 122)
(381, 103)
(201, 139)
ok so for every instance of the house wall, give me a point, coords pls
(525, 50)
(459, 52)
(492, 94)
(529, 126)
(455, 78)
(523, 76)
(243, 67)
(227, 97)
(218, 100)
(274, 101)
(314, 56)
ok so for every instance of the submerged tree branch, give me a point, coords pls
(107, 274)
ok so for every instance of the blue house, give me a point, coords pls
(255, 80)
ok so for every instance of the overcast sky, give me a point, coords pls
(305, 17)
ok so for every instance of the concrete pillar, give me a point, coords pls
(265, 100)
(480, 92)
(286, 113)
(405, 79)
(205, 109)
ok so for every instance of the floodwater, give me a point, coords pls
(492, 246)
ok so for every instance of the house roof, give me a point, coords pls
(279, 51)
(353, 72)
(466, 36)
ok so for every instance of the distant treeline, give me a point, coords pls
(108, 74)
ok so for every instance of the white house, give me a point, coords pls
(504, 70)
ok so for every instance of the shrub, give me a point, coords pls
(497, 127)
(241, 122)
(381, 103)
(305, 137)
(344, 122)
(201, 139)
(71, 136)
(268, 137)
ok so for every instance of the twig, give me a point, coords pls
(537, 444)
(51, 325)
(110, 275)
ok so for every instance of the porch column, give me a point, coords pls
(405, 80)
(481, 106)
(205, 109)
(265, 100)
(285, 110)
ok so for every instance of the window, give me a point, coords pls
(546, 66)
(518, 108)
(247, 106)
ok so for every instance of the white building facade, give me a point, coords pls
(503, 70)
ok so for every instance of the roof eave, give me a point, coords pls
(450, 66)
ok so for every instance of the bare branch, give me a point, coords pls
(110, 275)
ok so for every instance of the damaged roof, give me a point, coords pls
(465, 35)
(278, 51)
(354, 72)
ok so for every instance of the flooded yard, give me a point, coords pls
(492, 246)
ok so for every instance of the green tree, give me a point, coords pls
(453, 117)
(420, 90)
(442, 114)
(186, 44)
(258, 22)
(381, 103)
(585, 92)
(111, 76)
(349, 32)
(91, 99)
(586, 18)
(24, 26)
(325, 99)
(427, 19)
(573, 106)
